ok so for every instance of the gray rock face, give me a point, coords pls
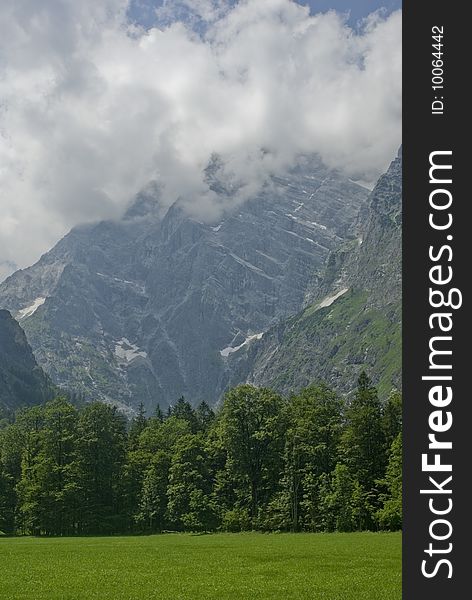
(22, 381)
(152, 306)
(354, 321)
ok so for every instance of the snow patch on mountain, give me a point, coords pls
(229, 350)
(330, 299)
(31, 308)
(127, 351)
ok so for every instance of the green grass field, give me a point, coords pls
(353, 566)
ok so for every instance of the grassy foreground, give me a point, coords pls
(353, 566)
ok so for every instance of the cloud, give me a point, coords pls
(92, 108)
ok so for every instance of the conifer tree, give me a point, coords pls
(363, 440)
(158, 414)
(183, 410)
(205, 416)
(7, 501)
(58, 467)
(363, 446)
(101, 451)
(392, 417)
(30, 499)
(390, 515)
(137, 426)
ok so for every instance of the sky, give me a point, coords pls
(99, 98)
(143, 11)
(357, 8)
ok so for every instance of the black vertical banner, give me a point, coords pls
(436, 320)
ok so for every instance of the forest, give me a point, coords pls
(314, 462)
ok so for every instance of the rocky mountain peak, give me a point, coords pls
(150, 307)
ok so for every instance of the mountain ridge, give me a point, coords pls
(142, 308)
(354, 323)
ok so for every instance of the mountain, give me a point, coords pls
(22, 381)
(354, 323)
(154, 305)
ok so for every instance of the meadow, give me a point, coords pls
(243, 566)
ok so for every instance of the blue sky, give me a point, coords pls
(142, 11)
(357, 8)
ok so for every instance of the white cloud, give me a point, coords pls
(92, 108)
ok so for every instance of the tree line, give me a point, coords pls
(312, 462)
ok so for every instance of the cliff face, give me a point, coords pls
(354, 324)
(155, 305)
(22, 381)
